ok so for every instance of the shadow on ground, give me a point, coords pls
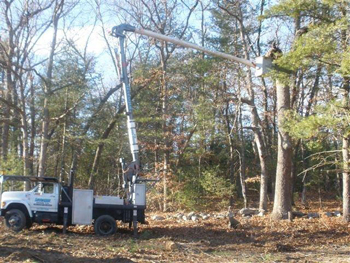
(11, 254)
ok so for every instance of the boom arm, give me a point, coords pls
(131, 170)
(118, 30)
(127, 97)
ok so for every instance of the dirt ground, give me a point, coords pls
(257, 239)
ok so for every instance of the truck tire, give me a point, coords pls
(105, 225)
(15, 220)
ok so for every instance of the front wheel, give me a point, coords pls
(105, 225)
(15, 220)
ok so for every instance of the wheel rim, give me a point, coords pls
(105, 227)
(14, 220)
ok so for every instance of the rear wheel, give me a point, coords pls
(15, 220)
(105, 225)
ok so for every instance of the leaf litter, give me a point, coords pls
(256, 239)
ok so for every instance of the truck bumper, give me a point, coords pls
(2, 212)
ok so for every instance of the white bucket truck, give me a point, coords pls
(50, 202)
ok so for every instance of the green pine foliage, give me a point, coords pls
(321, 46)
(327, 120)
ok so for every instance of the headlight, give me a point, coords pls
(3, 204)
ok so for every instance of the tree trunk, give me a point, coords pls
(99, 150)
(232, 149)
(6, 127)
(63, 146)
(32, 128)
(25, 140)
(305, 178)
(232, 168)
(47, 91)
(303, 193)
(345, 153)
(16, 120)
(282, 201)
(165, 127)
(256, 122)
(346, 136)
(294, 168)
(242, 161)
(44, 138)
(263, 183)
(9, 85)
(346, 180)
(262, 153)
(165, 172)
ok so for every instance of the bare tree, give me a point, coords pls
(23, 31)
(57, 13)
(345, 34)
(235, 10)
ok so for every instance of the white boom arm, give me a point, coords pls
(125, 27)
(180, 42)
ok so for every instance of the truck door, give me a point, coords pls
(45, 198)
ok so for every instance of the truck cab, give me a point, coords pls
(22, 208)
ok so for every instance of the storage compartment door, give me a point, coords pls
(82, 206)
(139, 195)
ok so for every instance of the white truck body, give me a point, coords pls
(49, 202)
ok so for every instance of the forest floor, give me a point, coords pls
(257, 239)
